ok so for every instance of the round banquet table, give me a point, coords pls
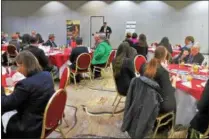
(186, 97)
(4, 47)
(60, 59)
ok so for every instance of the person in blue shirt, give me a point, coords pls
(189, 42)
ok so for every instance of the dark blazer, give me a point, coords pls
(108, 31)
(16, 43)
(141, 50)
(167, 91)
(75, 53)
(123, 80)
(29, 98)
(40, 55)
(201, 120)
(199, 58)
(49, 43)
(178, 58)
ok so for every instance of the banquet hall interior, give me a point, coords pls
(104, 69)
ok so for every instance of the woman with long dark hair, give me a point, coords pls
(155, 70)
(165, 42)
(123, 67)
(142, 46)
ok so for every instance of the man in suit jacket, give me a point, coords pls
(39, 54)
(106, 29)
(50, 41)
(195, 55)
(15, 41)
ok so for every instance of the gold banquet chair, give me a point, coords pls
(83, 64)
(53, 113)
(159, 120)
(206, 134)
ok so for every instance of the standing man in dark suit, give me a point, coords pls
(195, 55)
(50, 41)
(106, 29)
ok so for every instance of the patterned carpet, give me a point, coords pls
(96, 101)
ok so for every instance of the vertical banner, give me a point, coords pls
(73, 31)
(130, 27)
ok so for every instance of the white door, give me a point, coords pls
(96, 23)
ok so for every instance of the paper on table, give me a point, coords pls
(187, 84)
(3, 71)
(17, 77)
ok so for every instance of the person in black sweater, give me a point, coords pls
(75, 53)
(123, 67)
(41, 57)
(165, 42)
(201, 120)
(142, 46)
(155, 70)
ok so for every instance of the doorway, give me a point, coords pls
(95, 24)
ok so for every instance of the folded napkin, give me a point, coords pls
(203, 84)
(187, 84)
(204, 70)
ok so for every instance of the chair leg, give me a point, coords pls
(93, 73)
(156, 129)
(116, 106)
(65, 122)
(74, 78)
(61, 132)
(90, 76)
(115, 100)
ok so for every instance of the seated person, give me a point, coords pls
(39, 38)
(29, 98)
(189, 42)
(101, 53)
(19, 36)
(15, 41)
(128, 39)
(41, 57)
(134, 38)
(50, 41)
(25, 41)
(142, 46)
(201, 120)
(123, 67)
(155, 70)
(165, 42)
(76, 52)
(182, 57)
(195, 55)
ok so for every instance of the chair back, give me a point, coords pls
(53, 112)
(11, 50)
(139, 60)
(64, 78)
(83, 61)
(111, 58)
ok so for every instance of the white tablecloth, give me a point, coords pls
(186, 107)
